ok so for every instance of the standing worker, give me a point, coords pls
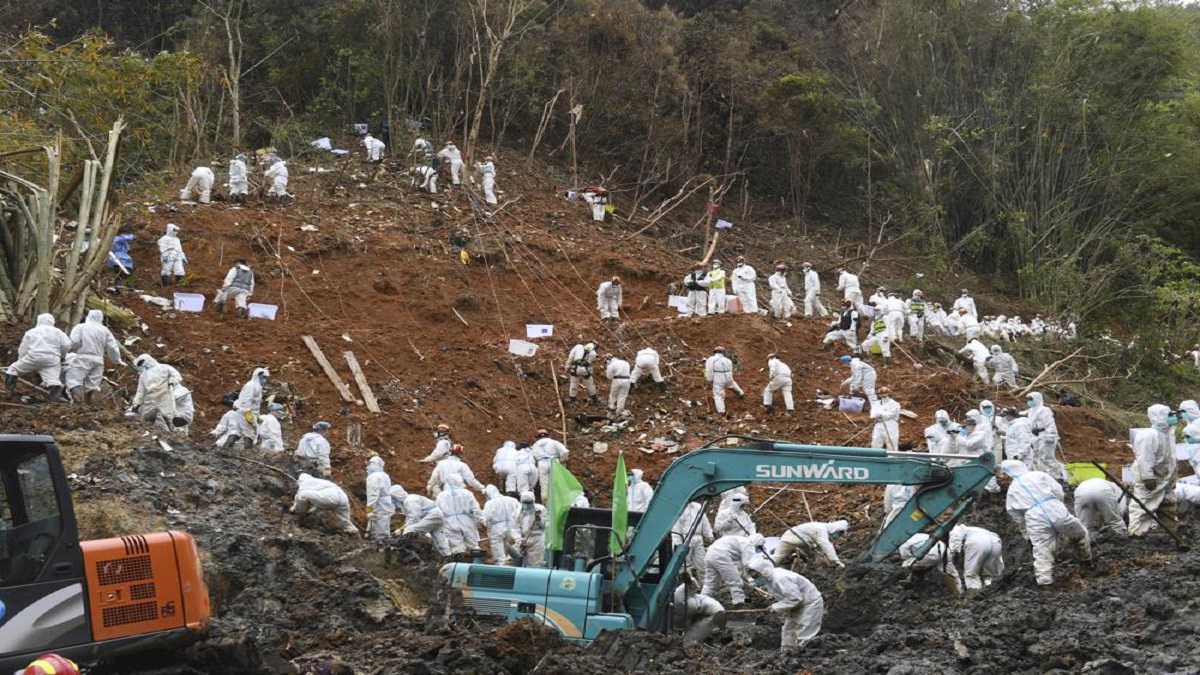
(119, 258)
(716, 289)
(915, 307)
(239, 285)
(462, 513)
(450, 154)
(812, 292)
(239, 185)
(782, 306)
(696, 282)
(979, 356)
(718, 370)
(1155, 470)
(500, 514)
(732, 518)
(647, 362)
(609, 299)
(380, 507)
(886, 412)
(487, 177)
(91, 341)
(744, 277)
(848, 284)
(170, 251)
(638, 493)
(441, 445)
(693, 527)
(530, 536)
(1045, 436)
(579, 368)
(248, 407)
(617, 371)
(1006, 368)
(277, 173)
(779, 379)
(545, 450)
(42, 351)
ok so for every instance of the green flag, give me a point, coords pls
(620, 506)
(564, 489)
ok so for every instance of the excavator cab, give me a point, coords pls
(83, 600)
(585, 549)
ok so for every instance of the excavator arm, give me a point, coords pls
(709, 471)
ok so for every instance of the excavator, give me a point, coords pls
(85, 600)
(587, 590)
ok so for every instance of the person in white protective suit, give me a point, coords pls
(1155, 471)
(1034, 501)
(638, 493)
(43, 349)
(696, 539)
(529, 539)
(744, 277)
(270, 434)
(1189, 415)
(895, 497)
(696, 285)
(422, 517)
(579, 369)
(699, 614)
(238, 285)
(647, 363)
(1018, 437)
(885, 411)
(718, 370)
(937, 558)
(779, 378)
(374, 147)
(324, 498)
(845, 328)
(453, 465)
(487, 178)
(877, 335)
(848, 284)
(527, 469)
(732, 518)
(422, 150)
(424, 178)
(199, 184)
(937, 320)
(609, 299)
(965, 301)
(314, 449)
(1005, 367)
(462, 513)
(1187, 498)
(617, 372)
(812, 292)
(806, 539)
(915, 307)
(1098, 506)
(986, 420)
(500, 514)
(239, 184)
(226, 428)
(452, 156)
(979, 355)
(716, 289)
(782, 306)
(982, 552)
(862, 376)
(441, 446)
(161, 398)
(248, 407)
(968, 326)
(972, 442)
(545, 450)
(91, 341)
(277, 173)
(725, 564)
(937, 435)
(894, 309)
(380, 507)
(170, 251)
(797, 600)
(1045, 436)
(878, 299)
(504, 465)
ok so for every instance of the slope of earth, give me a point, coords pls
(376, 269)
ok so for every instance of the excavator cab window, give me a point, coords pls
(587, 535)
(31, 523)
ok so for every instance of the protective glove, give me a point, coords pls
(1150, 483)
(249, 415)
(841, 565)
(908, 563)
(370, 511)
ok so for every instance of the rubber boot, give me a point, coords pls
(10, 384)
(55, 394)
(770, 408)
(242, 313)
(248, 443)
(594, 399)
(89, 397)
(219, 306)
(662, 386)
(887, 361)
(231, 441)
(77, 394)
(166, 281)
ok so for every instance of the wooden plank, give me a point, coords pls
(368, 395)
(328, 368)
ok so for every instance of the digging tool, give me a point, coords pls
(1179, 543)
(744, 617)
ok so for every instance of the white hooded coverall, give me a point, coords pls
(238, 184)
(579, 368)
(453, 156)
(894, 309)
(848, 283)
(270, 434)
(646, 362)
(982, 554)
(42, 350)
(530, 538)
(238, 284)
(380, 507)
(979, 356)
(1191, 433)
(696, 283)
(453, 465)
(487, 177)
(780, 380)
(1018, 441)
(618, 387)
(732, 519)
(462, 513)
(500, 515)
(895, 498)
(375, 148)
(1098, 505)
(812, 294)
(886, 413)
(1045, 437)
(797, 600)
(699, 614)
(807, 538)
(862, 378)
(703, 533)
(422, 516)
(639, 493)
(157, 392)
(91, 341)
(608, 300)
(504, 465)
(314, 447)
(278, 174)
(782, 306)
(718, 370)
(324, 497)
(935, 558)
(545, 450)
(200, 183)
(726, 562)
(527, 470)
(1155, 471)
(170, 252)
(1035, 500)
(1005, 366)
(744, 277)
(425, 178)
(249, 405)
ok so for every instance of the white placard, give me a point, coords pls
(189, 302)
(538, 330)
(679, 302)
(522, 348)
(724, 225)
(258, 311)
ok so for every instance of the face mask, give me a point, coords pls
(943, 423)
(987, 412)
(525, 506)
(1029, 403)
(1184, 416)
(1172, 420)
(761, 581)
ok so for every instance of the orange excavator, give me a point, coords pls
(85, 600)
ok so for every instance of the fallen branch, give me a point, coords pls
(476, 406)
(418, 352)
(460, 318)
(1045, 371)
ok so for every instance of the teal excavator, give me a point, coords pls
(587, 591)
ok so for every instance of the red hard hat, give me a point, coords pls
(52, 664)
(456, 449)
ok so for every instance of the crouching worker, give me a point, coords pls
(698, 614)
(325, 498)
(797, 600)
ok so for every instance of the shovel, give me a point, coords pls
(744, 617)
